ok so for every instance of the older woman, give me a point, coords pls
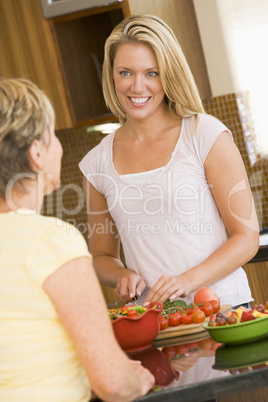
(56, 341)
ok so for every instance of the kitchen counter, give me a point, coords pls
(196, 369)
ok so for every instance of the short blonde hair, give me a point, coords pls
(178, 83)
(25, 114)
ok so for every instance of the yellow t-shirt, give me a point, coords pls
(38, 361)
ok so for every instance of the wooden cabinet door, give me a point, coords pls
(60, 55)
(27, 50)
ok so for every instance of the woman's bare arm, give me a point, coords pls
(104, 245)
(230, 188)
(75, 291)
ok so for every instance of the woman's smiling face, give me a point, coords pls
(137, 81)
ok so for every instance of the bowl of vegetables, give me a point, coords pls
(136, 327)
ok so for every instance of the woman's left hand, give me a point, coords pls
(168, 287)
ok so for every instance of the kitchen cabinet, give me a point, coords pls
(79, 40)
(62, 55)
(257, 273)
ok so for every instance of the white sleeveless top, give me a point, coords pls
(168, 223)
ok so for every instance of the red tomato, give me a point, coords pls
(132, 313)
(207, 308)
(216, 306)
(187, 319)
(191, 346)
(164, 323)
(169, 351)
(194, 309)
(199, 316)
(205, 344)
(181, 349)
(125, 309)
(175, 319)
(204, 295)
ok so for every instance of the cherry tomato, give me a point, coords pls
(194, 309)
(205, 344)
(169, 351)
(208, 309)
(199, 316)
(175, 319)
(216, 306)
(125, 309)
(181, 349)
(164, 323)
(215, 345)
(192, 345)
(187, 319)
(204, 295)
(132, 313)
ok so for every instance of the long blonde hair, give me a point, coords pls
(177, 80)
(25, 114)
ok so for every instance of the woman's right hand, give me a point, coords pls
(128, 286)
(146, 378)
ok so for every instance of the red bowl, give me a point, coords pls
(158, 364)
(135, 333)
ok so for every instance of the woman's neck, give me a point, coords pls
(30, 198)
(149, 128)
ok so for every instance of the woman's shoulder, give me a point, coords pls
(208, 121)
(56, 233)
(205, 125)
(56, 222)
(98, 154)
(202, 130)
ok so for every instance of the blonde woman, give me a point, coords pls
(169, 183)
(56, 341)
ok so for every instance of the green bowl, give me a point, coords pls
(239, 333)
(250, 354)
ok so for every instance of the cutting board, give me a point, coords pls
(189, 329)
(199, 336)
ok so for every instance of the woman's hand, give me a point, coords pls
(146, 377)
(168, 287)
(128, 286)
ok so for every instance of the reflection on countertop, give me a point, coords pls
(204, 367)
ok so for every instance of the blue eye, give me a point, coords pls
(124, 73)
(152, 74)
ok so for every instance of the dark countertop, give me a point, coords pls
(213, 389)
(206, 372)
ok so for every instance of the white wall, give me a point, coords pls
(237, 59)
(217, 46)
